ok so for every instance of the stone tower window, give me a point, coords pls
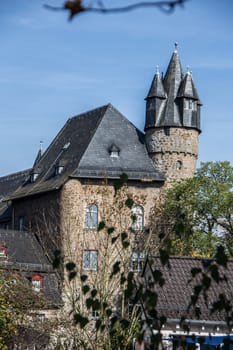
(167, 130)
(91, 221)
(138, 218)
(178, 165)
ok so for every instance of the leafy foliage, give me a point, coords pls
(202, 211)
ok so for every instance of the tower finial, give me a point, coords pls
(176, 46)
(157, 70)
(41, 146)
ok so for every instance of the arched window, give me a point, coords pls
(137, 217)
(91, 221)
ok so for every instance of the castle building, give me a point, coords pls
(70, 188)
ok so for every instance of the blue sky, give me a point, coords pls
(52, 69)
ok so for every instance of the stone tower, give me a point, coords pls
(173, 121)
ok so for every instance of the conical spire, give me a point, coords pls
(174, 74)
(154, 101)
(156, 88)
(187, 87)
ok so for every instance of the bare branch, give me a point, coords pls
(75, 7)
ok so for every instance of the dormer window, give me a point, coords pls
(37, 283)
(3, 250)
(59, 167)
(190, 104)
(33, 176)
(114, 151)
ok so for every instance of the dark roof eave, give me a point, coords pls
(24, 195)
(114, 176)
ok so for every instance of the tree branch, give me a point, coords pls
(76, 6)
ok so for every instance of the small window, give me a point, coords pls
(137, 261)
(2, 250)
(58, 169)
(138, 218)
(190, 104)
(33, 177)
(21, 223)
(167, 131)
(178, 165)
(37, 283)
(114, 151)
(90, 258)
(91, 221)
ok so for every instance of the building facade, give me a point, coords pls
(71, 187)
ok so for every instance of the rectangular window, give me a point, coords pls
(137, 261)
(90, 258)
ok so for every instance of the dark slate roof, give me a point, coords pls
(82, 147)
(24, 254)
(174, 296)
(164, 100)
(171, 82)
(187, 88)
(156, 89)
(8, 184)
(115, 129)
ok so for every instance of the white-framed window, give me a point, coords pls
(91, 220)
(137, 261)
(37, 283)
(90, 259)
(190, 104)
(137, 218)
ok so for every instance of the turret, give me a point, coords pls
(172, 122)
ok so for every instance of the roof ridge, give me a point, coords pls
(90, 111)
(14, 175)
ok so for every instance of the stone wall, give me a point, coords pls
(174, 151)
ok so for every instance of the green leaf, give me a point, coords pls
(115, 268)
(195, 271)
(221, 256)
(89, 302)
(124, 235)
(93, 293)
(85, 289)
(57, 259)
(72, 275)
(118, 184)
(164, 257)
(83, 278)
(101, 225)
(70, 266)
(82, 320)
(110, 230)
(129, 203)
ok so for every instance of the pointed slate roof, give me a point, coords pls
(171, 82)
(83, 145)
(156, 89)
(165, 107)
(187, 88)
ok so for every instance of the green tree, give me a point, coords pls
(200, 210)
